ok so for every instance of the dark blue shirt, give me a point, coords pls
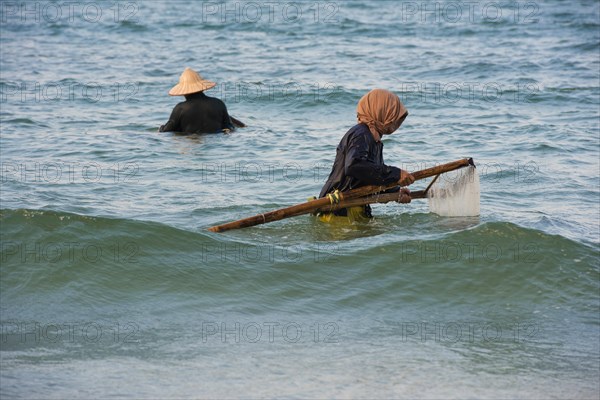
(359, 162)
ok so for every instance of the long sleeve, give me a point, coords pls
(172, 124)
(359, 165)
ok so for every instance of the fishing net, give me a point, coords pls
(455, 196)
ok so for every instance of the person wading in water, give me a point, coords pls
(359, 158)
(198, 113)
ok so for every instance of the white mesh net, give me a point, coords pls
(457, 197)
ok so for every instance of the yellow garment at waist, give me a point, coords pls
(354, 214)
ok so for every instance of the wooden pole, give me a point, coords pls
(370, 199)
(237, 123)
(324, 202)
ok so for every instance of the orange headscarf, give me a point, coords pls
(382, 111)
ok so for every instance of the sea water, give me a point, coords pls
(111, 285)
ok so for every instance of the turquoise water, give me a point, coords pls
(111, 285)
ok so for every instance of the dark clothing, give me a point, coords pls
(198, 114)
(359, 162)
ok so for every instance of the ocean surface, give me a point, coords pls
(112, 287)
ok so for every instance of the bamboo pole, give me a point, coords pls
(237, 123)
(370, 199)
(324, 202)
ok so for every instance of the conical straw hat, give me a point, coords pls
(190, 82)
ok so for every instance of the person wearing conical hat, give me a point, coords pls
(359, 157)
(198, 113)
